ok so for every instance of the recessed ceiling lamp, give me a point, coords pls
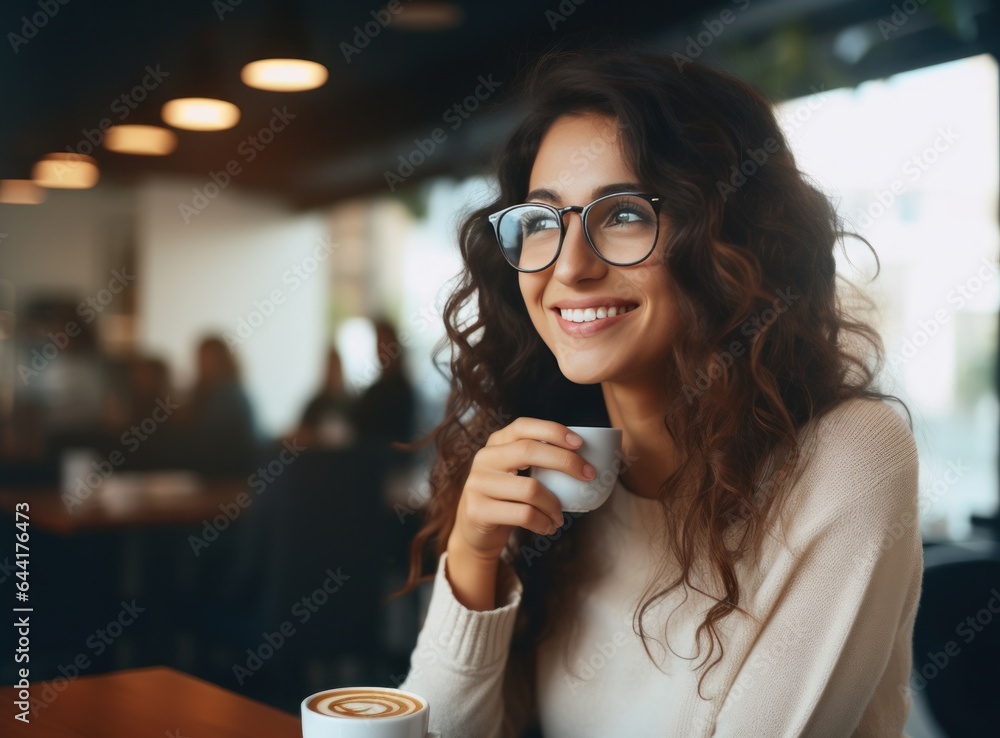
(428, 16)
(200, 114)
(201, 104)
(20, 192)
(142, 140)
(281, 60)
(284, 75)
(63, 170)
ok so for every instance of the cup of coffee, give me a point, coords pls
(601, 448)
(365, 712)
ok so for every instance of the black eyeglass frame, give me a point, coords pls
(655, 201)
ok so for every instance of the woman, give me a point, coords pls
(757, 569)
(326, 421)
(218, 416)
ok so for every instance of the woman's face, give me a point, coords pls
(577, 161)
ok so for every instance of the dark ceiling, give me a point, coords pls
(60, 82)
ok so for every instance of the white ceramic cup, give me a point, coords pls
(601, 448)
(327, 714)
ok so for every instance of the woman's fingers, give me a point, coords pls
(523, 515)
(539, 430)
(493, 486)
(525, 452)
(495, 498)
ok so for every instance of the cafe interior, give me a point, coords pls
(227, 232)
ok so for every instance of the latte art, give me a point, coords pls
(364, 703)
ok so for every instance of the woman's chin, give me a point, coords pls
(579, 373)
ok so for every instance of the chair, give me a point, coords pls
(307, 571)
(956, 660)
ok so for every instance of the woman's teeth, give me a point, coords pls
(585, 315)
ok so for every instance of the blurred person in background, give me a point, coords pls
(386, 411)
(217, 418)
(145, 399)
(326, 420)
(144, 381)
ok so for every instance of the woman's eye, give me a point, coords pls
(625, 217)
(538, 224)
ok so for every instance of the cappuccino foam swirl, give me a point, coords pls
(365, 703)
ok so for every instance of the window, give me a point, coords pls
(912, 163)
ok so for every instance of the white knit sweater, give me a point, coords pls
(834, 594)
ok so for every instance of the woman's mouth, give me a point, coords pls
(586, 321)
(588, 315)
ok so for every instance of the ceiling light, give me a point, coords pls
(428, 16)
(20, 192)
(140, 139)
(284, 75)
(201, 114)
(65, 171)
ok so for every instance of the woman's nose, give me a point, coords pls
(577, 260)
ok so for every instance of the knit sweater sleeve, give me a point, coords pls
(460, 657)
(842, 595)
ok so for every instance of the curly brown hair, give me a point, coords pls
(747, 230)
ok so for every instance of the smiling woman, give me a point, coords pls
(739, 580)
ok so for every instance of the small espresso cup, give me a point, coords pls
(601, 448)
(365, 712)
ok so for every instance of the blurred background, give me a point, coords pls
(227, 231)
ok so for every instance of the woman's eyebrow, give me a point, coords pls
(543, 194)
(550, 196)
(618, 187)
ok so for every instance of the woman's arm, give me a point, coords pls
(838, 636)
(461, 654)
(462, 650)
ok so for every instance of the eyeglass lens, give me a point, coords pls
(622, 228)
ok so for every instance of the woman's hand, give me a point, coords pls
(495, 498)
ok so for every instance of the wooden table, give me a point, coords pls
(49, 512)
(157, 702)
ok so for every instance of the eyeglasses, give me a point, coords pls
(621, 229)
